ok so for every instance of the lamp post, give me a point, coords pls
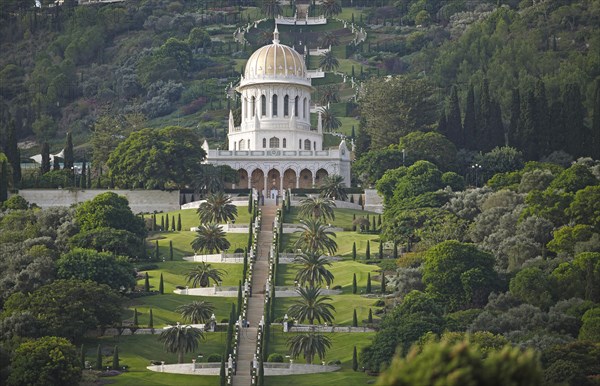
(476, 168)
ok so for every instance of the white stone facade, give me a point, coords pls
(275, 147)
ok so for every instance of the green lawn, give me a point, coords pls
(343, 217)
(163, 306)
(136, 352)
(342, 347)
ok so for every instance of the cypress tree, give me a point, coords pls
(45, 167)
(161, 285)
(353, 134)
(153, 226)
(496, 127)
(99, 358)
(354, 288)
(13, 153)
(370, 318)
(363, 140)
(162, 223)
(135, 317)
(179, 222)
(483, 114)
(395, 255)
(354, 319)
(89, 177)
(368, 290)
(222, 375)
(383, 283)
(147, 283)
(167, 223)
(171, 250)
(68, 153)
(379, 221)
(3, 182)
(151, 320)
(360, 201)
(542, 118)
(453, 120)
(239, 298)
(514, 139)
(56, 163)
(442, 126)
(380, 249)
(374, 225)
(557, 132)
(261, 373)
(368, 252)
(173, 224)
(354, 360)
(83, 181)
(156, 250)
(82, 357)
(595, 135)
(574, 114)
(115, 363)
(354, 250)
(526, 128)
(470, 122)
(250, 202)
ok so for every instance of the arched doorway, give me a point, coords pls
(243, 179)
(257, 181)
(305, 179)
(273, 181)
(321, 173)
(289, 179)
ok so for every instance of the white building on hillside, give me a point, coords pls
(275, 147)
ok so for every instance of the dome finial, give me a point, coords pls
(276, 35)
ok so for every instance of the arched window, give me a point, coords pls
(263, 105)
(252, 106)
(300, 144)
(307, 144)
(286, 106)
(273, 143)
(248, 144)
(315, 145)
(304, 109)
(241, 145)
(296, 106)
(274, 105)
(284, 143)
(245, 107)
(264, 143)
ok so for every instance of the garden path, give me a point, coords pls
(256, 302)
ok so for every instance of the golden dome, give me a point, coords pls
(275, 60)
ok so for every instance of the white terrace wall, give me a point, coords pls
(139, 200)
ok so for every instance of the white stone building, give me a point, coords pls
(275, 147)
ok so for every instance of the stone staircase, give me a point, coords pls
(247, 347)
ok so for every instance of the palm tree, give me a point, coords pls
(333, 186)
(317, 208)
(314, 236)
(330, 121)
(312, 306)
(313, 269)
(202, 275)
(181, 339)
(329, 39)
(329, 62)
(212, 179)
(217, 209)
(331, 8)
(210, 237)
(329, 94)
(270, 8)
(196, 312)
(309, 345)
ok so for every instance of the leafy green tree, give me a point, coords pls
(329, 62)
(109, 131)
(566, 238)
(430, 146)
(372, 165)
(196, 312)
(109, 210)
(309, 345)
(315, 236)
(333, 186)
(394, 107)
(532, 286)
(69, 308)
(102, 267)
(590, 329)
(13, 154)
(312, 306)
(117, 241)
(313, 269)
(575, 178)
(149, 158)
(210, 237)
(198, 38)
(463, 363)
(203, 274)
(585, 208)
(317, 208)
(217, 209)
(45, 361)
(580, 277)
(331, 8)
(595, 132)
(270, 8)
(179, 52)
(181, 339)
(459, 274)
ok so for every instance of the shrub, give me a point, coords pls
(379, 303)
(214, 357)
(276, 358)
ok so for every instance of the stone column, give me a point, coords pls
(266, 185)
(297, 181)
(280, 183)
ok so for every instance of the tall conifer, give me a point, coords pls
(68, 159)
(470, 122)
(514, 139)
(45, 167)
(453, 120)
